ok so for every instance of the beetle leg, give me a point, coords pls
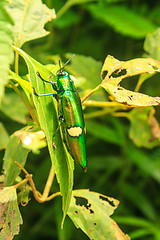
(44, 94)
(39, 75)
(61, 119)
(53, 83)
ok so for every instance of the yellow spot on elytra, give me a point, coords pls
(74, 131)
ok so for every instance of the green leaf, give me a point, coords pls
(144, 162)
(91, 212)
(103, 132)
(138, 198)
(6, 52)
(14, 108)
(14, 152)
(141, 131)
(26, 86)
(4, 138)
(46, 110)
(123, 20)
(10, 217)
(152, 44)
(30, 18)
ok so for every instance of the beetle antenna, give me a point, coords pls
(60, 69)
(68, 61)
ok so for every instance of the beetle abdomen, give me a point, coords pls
(73, 126)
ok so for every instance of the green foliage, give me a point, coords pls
(29, 20)
(14, 152)
(151, 44)
(6, 53)
(129, 22)
(123, 133)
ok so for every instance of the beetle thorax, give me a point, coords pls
(64, 82)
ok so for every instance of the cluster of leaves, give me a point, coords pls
(88, 210)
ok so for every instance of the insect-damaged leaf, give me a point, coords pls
(46, 110)
(93, 217)
(10, 217)
(114, 71)
(130, 98)
(29, 19)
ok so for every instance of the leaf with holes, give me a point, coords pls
(29, 17)
(114, 71)
(10, 217)
(129, 98)
(91, 212)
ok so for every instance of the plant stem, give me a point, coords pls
(17, 58)
(120, 114)
(48, 184)
(40, 198)
(100, 113)
(91, 103)
(90, 93)
(30, 109)
(23, 181)
(64, 9)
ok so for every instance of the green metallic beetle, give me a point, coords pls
(70, 115)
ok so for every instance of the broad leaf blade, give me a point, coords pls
(10, 217)
(61, 160)
(123, 20)
(30, 18)
(14, 152)
(94, 217)
(26, 86)
(6, 53)
(17, 111)
(104, 132)
(152, 44)
(88, 74)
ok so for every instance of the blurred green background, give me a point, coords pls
(117, 167)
